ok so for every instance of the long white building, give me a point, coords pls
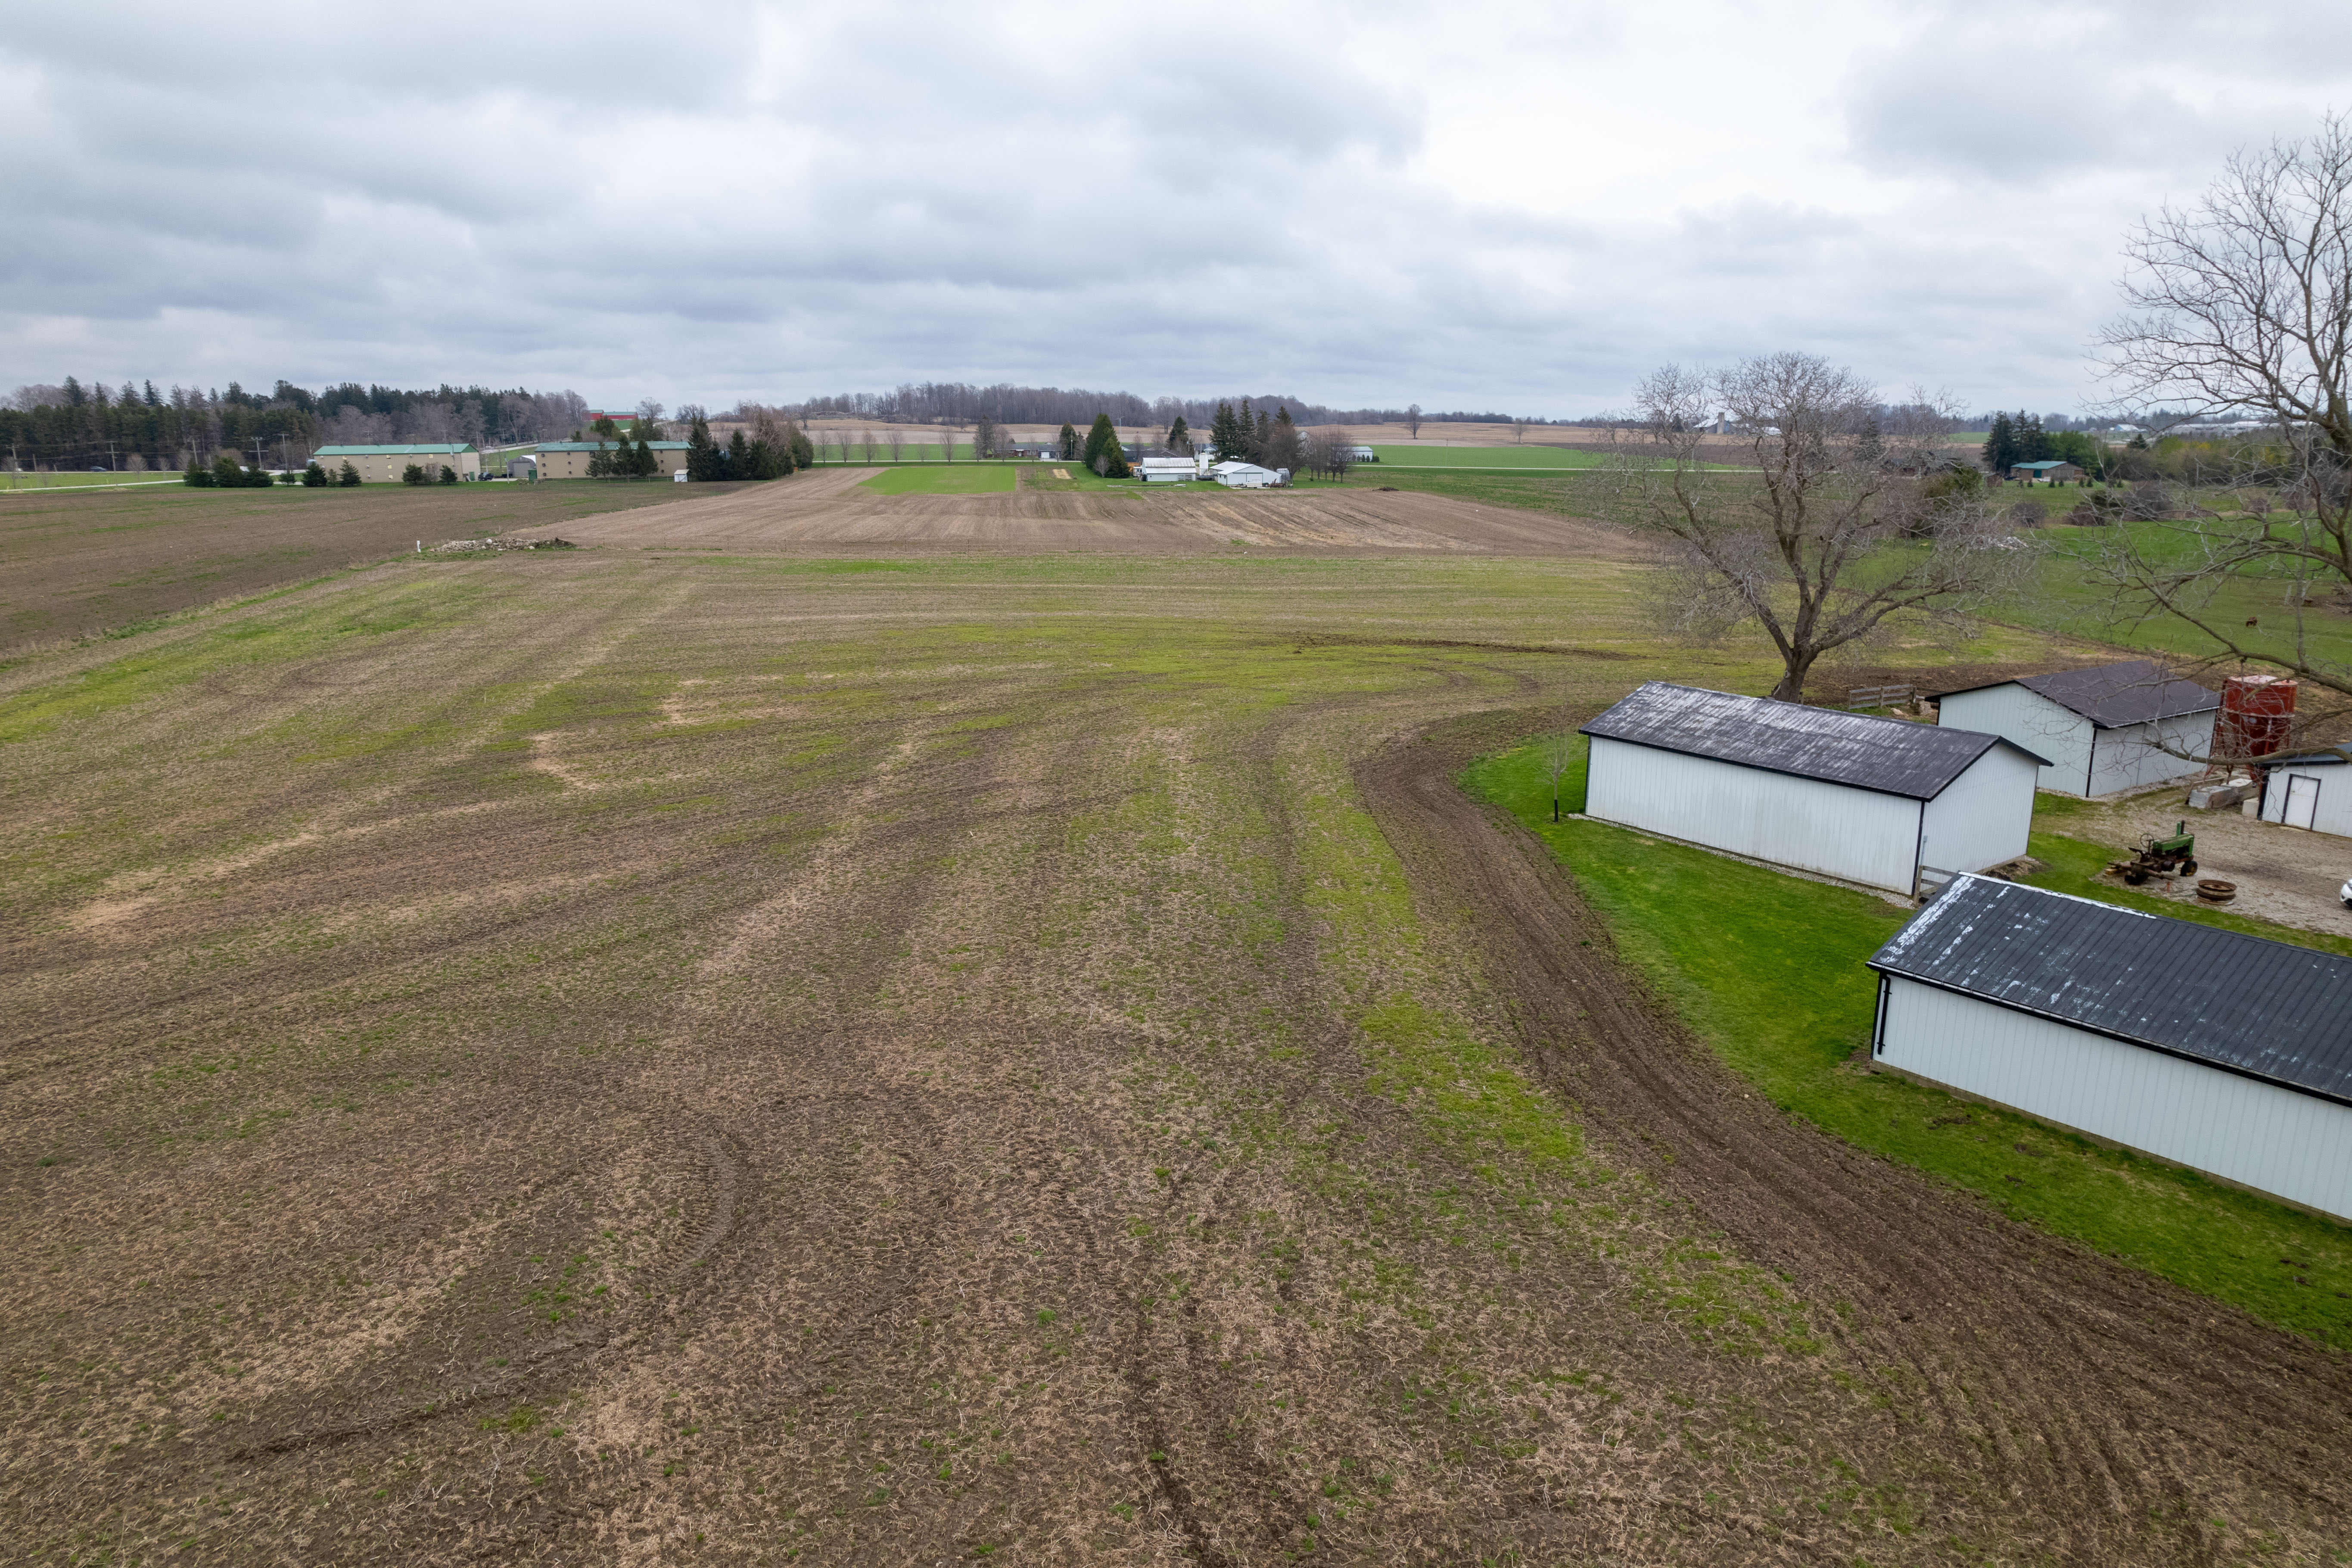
(2211, 1048)
(1863, 799)
(2107, 728)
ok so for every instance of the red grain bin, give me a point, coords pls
(2257, 711)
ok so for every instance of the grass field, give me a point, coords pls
(1499, 458)
(77, 564)
(627, 1054)
(1770, 970)
(22, 483)
(959, 479)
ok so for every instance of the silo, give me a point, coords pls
(2257, 711)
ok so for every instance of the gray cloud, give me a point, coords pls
(1510, 209)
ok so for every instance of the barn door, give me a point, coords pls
(2302, 799)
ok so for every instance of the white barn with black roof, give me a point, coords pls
(1862, 799)
(2227, 1053)
(2107, 728)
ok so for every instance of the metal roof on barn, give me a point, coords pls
(2267, 1009)
(1887, 755)
(2133, 691)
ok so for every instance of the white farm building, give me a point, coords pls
(1862, 799)
(1247, 476)
(2110, 727)
(2223, 1052)
(2312, 792)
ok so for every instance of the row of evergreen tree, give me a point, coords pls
(771, 451)
(77, 427)
(2021, 437)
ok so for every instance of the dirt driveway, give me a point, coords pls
(2283, 874)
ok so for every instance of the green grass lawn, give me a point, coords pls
(1768, 970)
(944, 479)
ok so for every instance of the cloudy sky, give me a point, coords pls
(1514, 206)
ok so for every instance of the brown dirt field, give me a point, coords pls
(632, 1056)
(74, 563)
(825, 510)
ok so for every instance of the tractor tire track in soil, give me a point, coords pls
(2096, 1397)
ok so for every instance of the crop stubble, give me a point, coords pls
(995, 1071)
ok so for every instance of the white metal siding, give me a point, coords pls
(2132, 757)
(1856, 835)
(2333, 812)
(1983, 816)
(2032, 720)
(2292, 1145)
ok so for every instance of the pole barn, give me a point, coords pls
(1863, 799)
(2227, 1053)
(2110, 727)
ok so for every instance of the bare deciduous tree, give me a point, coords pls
(1412, 420)
(1519, 432)
(2243, 303)
(1331, 452)
(1558, 754)
(1811, 546)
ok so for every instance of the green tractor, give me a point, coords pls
(2173, 856)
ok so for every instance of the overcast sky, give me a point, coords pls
(1517, 206)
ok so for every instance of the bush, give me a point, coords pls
(448, 475)
(2028, 514)
(347, 475)
(412, 475)
(314, 476)
(198, 475)
(1955, 484)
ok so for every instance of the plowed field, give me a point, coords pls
(829, 509)
(632, 1056)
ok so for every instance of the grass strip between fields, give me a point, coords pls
(1768, 970)
(942, 479)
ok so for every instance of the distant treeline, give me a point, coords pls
(960, 403)
(138, 427)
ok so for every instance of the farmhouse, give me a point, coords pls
(2217, 1050)
(2313, 791)
(2104, 729)
(2051, 469)
(384, 465)
(1863, 799)
(569, 459)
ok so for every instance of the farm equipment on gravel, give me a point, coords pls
(2173, 856)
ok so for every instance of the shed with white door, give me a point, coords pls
(1849, 796)
(2107, 728)
(2313, 791)
(2211, 1048)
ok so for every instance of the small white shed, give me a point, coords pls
(2311, 791)
(1848, 795)
(1166, 471)
(2104, 729)
(2224, 1052)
